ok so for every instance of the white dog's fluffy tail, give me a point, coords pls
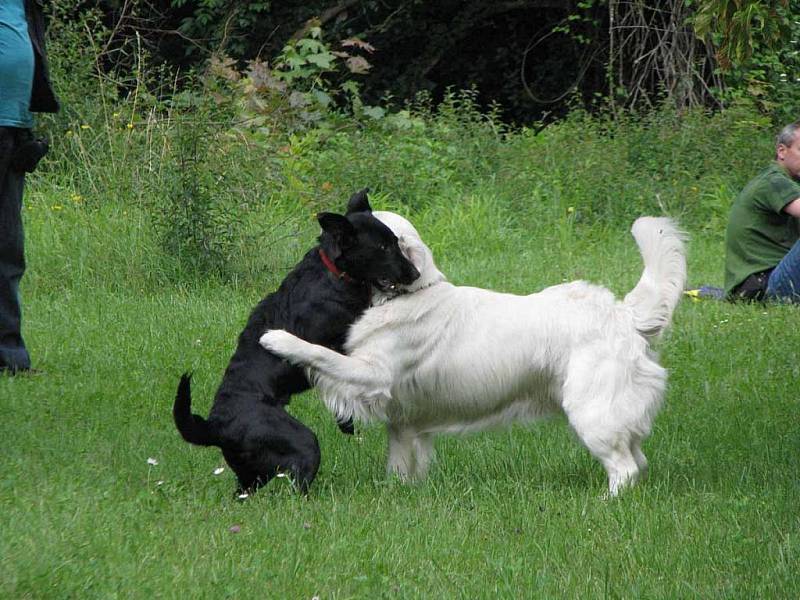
(656, 295)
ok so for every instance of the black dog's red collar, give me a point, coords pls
(333, 268)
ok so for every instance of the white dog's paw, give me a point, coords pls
(280, 342)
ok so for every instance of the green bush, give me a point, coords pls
(417, 156)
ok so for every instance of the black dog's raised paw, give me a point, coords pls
(346, 426)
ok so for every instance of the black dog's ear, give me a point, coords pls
(359, 202)
(338, 227)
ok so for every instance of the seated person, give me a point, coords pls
(762, 252)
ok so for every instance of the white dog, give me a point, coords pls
(444, 358)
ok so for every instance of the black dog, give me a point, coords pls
(317, 301)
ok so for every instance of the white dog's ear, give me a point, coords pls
(413, 251)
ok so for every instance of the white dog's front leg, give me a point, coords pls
(344, 369)
(287, 345)
(401, 453)
(410, 453)
(345, 380)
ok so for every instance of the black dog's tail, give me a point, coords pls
(193, 428)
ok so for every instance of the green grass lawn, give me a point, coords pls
(515, 513)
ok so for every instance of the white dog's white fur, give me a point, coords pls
(445, 358)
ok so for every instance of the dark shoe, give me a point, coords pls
(26, 372)
(31, 372)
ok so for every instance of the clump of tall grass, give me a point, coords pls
(599, 170)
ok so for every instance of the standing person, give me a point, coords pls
(24, 89)
(762, 252)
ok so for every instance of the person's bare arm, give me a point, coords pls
(793, 208)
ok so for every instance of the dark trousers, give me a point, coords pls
(13, 355)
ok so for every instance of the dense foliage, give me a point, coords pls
(534, 57)
(758, 45)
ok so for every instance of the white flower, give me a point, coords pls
(219, 470)
(160, 482)
(152, 462)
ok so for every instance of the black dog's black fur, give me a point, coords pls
(248, 420)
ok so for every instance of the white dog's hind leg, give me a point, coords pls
(597, 401)
(619, 463)
(612, 449)
(610, 443)
(638, 456)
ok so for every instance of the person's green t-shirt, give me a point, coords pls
(759, 233)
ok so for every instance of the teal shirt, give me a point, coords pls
(16, 65)
(759, 233)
